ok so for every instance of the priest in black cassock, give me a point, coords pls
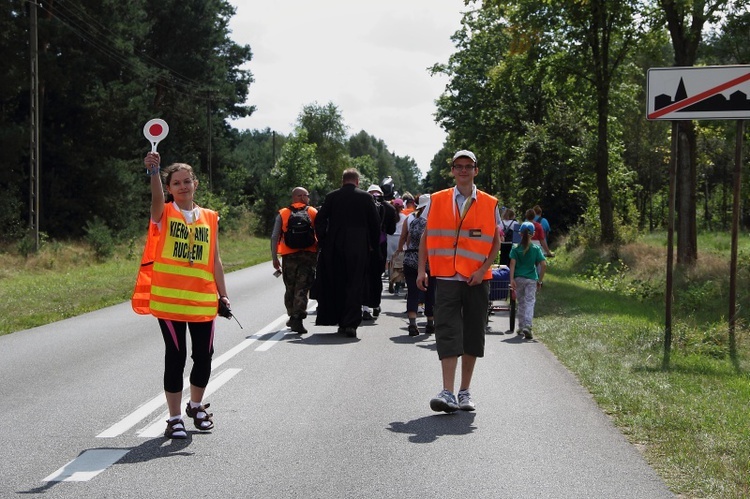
(348, 230)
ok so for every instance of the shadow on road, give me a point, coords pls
(429, 428)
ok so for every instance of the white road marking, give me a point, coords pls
(93, 461)
(156, 428)
(278, 336)
(248, 341)
(86, 466)
(132, 419)
(272, 341)
(158, 401)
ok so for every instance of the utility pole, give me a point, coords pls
(210, 152)
(34, 129)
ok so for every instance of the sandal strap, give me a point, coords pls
(171, 430)
(192, 412)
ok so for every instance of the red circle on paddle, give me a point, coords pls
(156, 129)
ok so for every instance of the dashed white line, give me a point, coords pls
(158, 401)
(93, 461)
(156, 428)
(86, 466)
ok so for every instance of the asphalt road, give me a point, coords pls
(314, 416)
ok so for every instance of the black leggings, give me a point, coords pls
(202, 347)
(414, 294)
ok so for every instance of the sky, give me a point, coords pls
(370, 59)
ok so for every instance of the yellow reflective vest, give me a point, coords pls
(176, 277)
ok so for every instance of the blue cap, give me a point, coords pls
(527, 227)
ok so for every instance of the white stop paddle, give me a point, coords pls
(155, 131)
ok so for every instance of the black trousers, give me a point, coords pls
(175, 355)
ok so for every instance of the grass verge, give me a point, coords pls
(604, 320)
(64, 280)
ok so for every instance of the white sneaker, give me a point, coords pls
(464, 401)
(445, 401)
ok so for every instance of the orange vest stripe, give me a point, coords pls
(449, 254)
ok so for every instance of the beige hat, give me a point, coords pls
(464, 154)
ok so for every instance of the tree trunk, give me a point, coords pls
(602, 171)
(687, 231)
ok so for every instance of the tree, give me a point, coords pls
(516, 62)
(296, 167)
(596, 35)
(403, 170)
(253, 156)
(105, 69)
(14, 138)
(438, 178)
(473, 110)
(326, 129)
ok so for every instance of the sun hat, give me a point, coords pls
(527, 227)
(424, 200)
(464, 153)
(398, 202)
(375, 188)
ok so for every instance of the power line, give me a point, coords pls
(77, 22)
(105, 33)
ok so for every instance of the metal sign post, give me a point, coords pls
(735, 238)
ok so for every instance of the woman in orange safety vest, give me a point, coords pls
(180, 283)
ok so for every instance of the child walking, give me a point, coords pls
(527, 268)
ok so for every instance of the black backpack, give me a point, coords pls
(508, 231)
(299, 229)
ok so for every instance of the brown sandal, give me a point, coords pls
(171, 431)
(203, 423)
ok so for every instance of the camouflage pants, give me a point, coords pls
(298, 273)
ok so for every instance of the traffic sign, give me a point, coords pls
(698, 93)
(155, 131)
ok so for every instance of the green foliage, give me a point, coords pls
(368, 170)
(326, 129)
(438, 178)
(99, 90)
(208, 199)
(587, 233)
(520, 94)
(26, 245)
(296, 167)
(99, 237)
(607, 276)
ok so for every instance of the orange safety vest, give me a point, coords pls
(282, 249)
(170, 286)
(455, 246)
